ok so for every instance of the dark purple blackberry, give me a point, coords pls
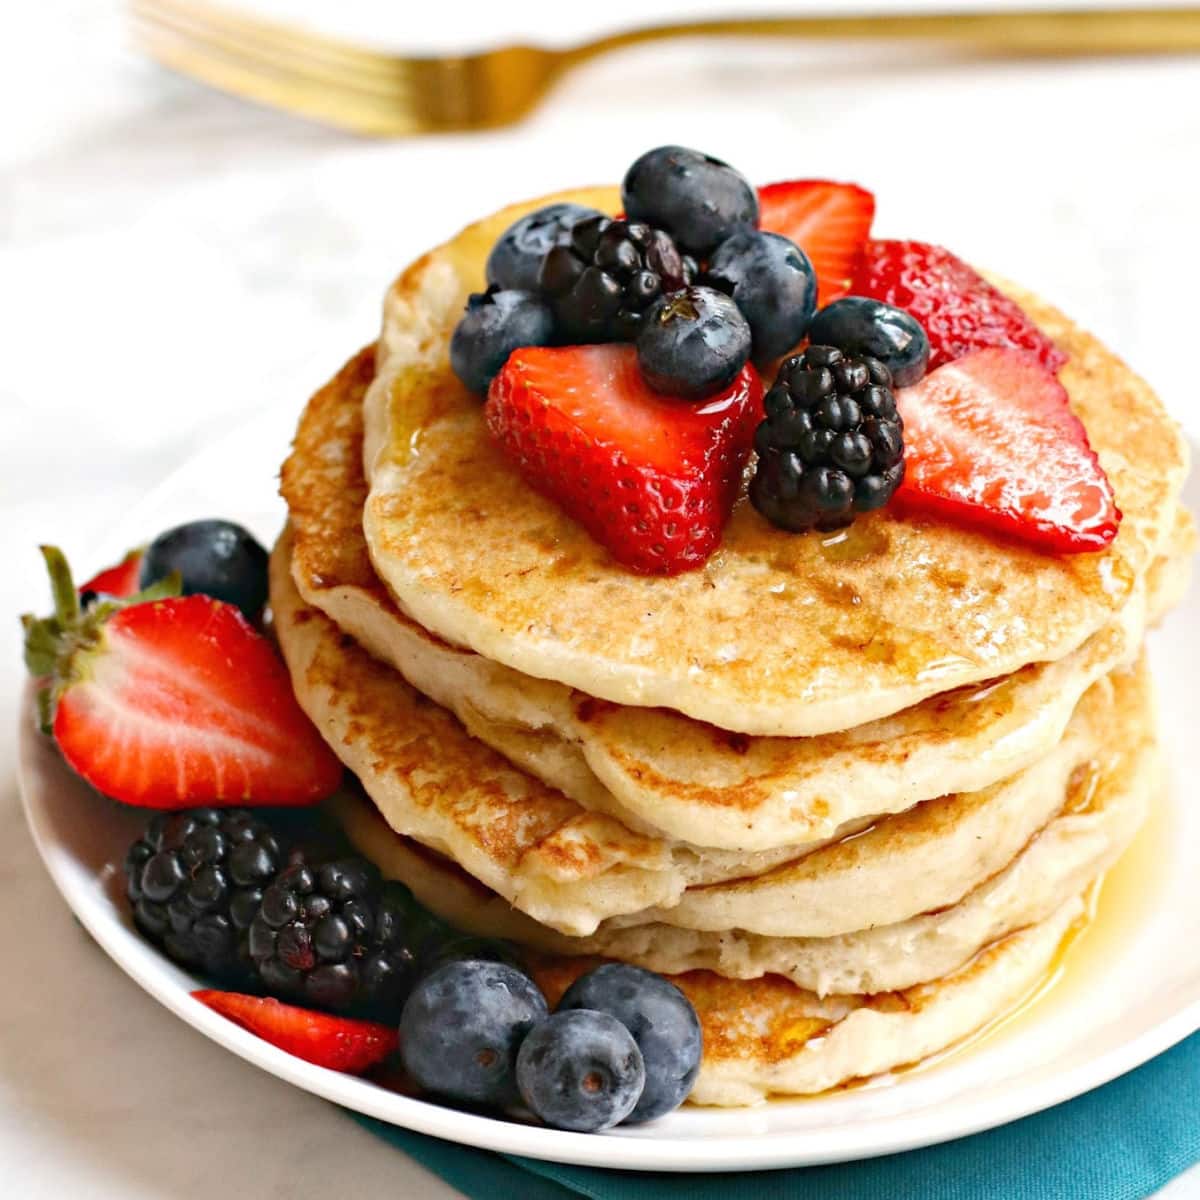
(602, 283)
(832, 445)
(338, 937)
(196, 879)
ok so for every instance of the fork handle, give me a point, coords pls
(1031, 32)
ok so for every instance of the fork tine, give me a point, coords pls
(259, 31)
(291, 91)
(394, 87)
(401, 95)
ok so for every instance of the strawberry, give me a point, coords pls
(336, 1043)
(120, 581)
(960, 310)
(830, 222)
(991, 442)
(168, 701)
(651, 478)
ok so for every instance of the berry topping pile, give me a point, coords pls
(712, 281)
(832, 444)
(960, 311)
(689, 279)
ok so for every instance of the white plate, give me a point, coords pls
(1129, 990)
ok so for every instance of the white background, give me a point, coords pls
(172, 260)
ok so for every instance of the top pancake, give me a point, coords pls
(779, 633)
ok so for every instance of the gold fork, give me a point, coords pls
(340, 84)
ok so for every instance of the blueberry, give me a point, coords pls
(698, 200)
(495, 324)
(581, 1071)
(214, 558)
(772, 282)
(663, 1024)
(858, 326)
(462, 1027)
(693, 343)
(517, 256)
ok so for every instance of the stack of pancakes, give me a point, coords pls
(852, 791)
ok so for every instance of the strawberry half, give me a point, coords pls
(829, 221)
(337, 1043)
(991, 442)
(651, 478)
(960, 310)
(120, 581)
(167, 701)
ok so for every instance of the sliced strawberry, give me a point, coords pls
(991, 442)
(651, 478)
(830, 222)
(173, 702)
(338, 1043)
(959, 309)
(121, 580)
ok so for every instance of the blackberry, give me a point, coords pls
(195, 880)
(832, 445)
(601, 284)
(336, 936)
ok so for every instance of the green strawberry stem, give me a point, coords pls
(56, 646)
(62, 586)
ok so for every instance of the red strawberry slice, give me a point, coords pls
(651, 478)
(173, 702)
(959, 309)
(991, 442)
(338, 1043)
(121, 580)
(830, 222)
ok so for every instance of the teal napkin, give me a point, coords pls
(1120, 1142)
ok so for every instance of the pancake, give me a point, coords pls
(767, 1037)
(1103, 812)
(931, 856)
(570, 868)
(562, 864)
(656, 770)
(779, 634)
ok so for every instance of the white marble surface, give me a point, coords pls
(171, 260)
